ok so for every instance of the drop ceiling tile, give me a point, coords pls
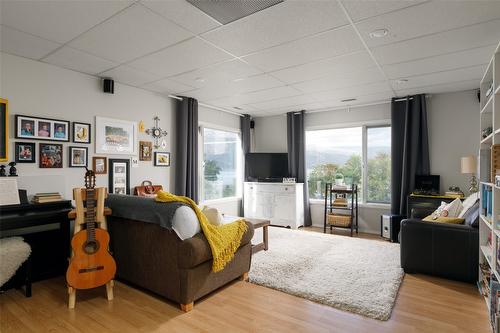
(132, 33)
(278, 24)
(77, 60)
(221, 73)
(59, 21)
(328, 44)
(331, 66)
(359, 10)
(131, 76)
(283, 102)
(184, 14)
(457, 75)
(428, 18)
(257, 96)
(450, 41)
(340, 81)
(25, 45)
(440, 88)
(167, 86)
(477, 56)
(352, 92)
(366, 99)
(185, 56)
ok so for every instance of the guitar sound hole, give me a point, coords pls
(91, 247)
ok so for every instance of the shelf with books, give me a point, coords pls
(486, 221)
(487, 253)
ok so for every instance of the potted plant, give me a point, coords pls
(339, 179)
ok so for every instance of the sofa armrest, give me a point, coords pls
(421, 212)
(196, 250)
(447, 250)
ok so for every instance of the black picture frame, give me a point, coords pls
(4, 130)
(34, 123)
(54, 156)
(74, 135)
(17, 152)
(119, 180)
(72, 150)
(157, 163)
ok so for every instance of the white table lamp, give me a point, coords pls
(468, 165)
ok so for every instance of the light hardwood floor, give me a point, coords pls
(424, 304)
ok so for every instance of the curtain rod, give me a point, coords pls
(209, 106)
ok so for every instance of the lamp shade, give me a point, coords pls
(468, 164)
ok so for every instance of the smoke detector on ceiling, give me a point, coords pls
(379, 33)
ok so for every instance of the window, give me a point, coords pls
(221, 164)
(341, 153)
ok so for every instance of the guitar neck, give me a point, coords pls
(90, 216)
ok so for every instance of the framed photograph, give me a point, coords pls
(25, 152)
(36, 128)
(99, 165)
(50, 156)
(4, 130)
(162, 159)
(115, 136)
(135, 162)
(78, 157)
(119, 176)
(81, 132)
(145, 150)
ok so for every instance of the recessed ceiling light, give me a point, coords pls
(200, 79)
(379, 33)
(401, 81)
(348, 100)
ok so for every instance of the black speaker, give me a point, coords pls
(252, 124)
(108, 86)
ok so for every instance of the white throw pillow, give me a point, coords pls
(213, 215)
(185, 223)
(452, 209)
(468, 203)
(439, 210)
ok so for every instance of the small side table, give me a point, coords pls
(257, 223)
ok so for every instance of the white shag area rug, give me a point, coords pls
(13, 252)
(352, 274)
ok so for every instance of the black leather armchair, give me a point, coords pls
(446, 250)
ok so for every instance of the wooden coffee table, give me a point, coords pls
(264, 224)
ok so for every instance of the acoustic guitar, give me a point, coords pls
(91, 265)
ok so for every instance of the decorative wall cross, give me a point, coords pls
(157, 133)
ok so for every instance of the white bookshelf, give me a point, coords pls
(489, 224)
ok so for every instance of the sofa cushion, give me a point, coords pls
(444, 219)
(196, 250)
(452, 209)
(185, 223)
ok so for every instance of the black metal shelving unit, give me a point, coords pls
(332, 193)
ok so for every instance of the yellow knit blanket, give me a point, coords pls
(224, 240)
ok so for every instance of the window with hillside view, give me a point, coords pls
(220, 163)
(340, 152)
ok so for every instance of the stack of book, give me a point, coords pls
(454, 194)
(46, 197)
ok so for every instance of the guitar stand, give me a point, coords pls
(78, 214)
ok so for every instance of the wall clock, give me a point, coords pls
(157, 133)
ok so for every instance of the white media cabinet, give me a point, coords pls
(282, 204)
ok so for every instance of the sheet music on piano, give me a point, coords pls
(9, 195)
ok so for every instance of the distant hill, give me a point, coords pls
(339, 156)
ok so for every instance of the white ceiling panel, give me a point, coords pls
(284, 102)
(221, 73)
(446, 42)
(457, 75)
(341, 81)
(59, 21)
(131, 76)
(25, 45)
(478, 56)
(428, 18)
(366, 99)
(298, 107)
(440, 88)
(186, 56)
(77, 60)
(352, 92)
(331, 66)
(362, 9)
(134, 32)
(278, 24)
(328, 44)
(257, 96)
(184, 14)
(167, 86)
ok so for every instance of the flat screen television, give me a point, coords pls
(266, 167)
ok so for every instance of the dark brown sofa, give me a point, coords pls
(156, 259)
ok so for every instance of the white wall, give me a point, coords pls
(453, 121)
(270, 134)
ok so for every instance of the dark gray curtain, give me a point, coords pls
(245, 147)
(296, 140)
(410, 148)
(186, 157)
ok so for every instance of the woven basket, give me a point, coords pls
(339, 220)
(340, 202)
(495, 161)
